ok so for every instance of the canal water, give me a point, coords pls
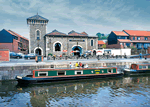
(123, 92)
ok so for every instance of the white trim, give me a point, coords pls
(76, 45)
(111, 71)
(78, 71)
(54, 46)
(37, 48)
(42, 73)
(36, 34)
(60, 71)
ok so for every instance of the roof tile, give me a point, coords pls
(14, 33)
(137, 32)
(120, 33)
(100, 42)
(55, 32)
(124, 40)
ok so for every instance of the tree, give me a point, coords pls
(104, 46)
(104, 37)
(99, 36)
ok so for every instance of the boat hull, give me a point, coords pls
(30, 80)
(136, 72)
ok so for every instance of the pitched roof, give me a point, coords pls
(140, 41)
(55, 32)
(120, 33)
(73, 33)
(10, 32)
(124, 40)
(37, 17)
(101, 42)
(16, 34)
(84, 33)
(137, 32)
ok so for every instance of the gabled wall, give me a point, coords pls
(112, 39)
(5, 37)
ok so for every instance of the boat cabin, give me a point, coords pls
(140, 66)
(73, 72)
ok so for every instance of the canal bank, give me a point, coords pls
(8, 71)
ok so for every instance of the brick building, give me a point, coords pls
(13, 41)
(128, 38)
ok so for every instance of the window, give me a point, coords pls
(145, 67)
(139, 45)
(42, 73)
(133, 38)
(57, 47)
(146, 45)
(20, 39)
(91, 42)
(78, 72)
(110, 70)
(38, 34)
(128, 44)
(15, 37)
(146, 38)
(138, 38)
(61, 73)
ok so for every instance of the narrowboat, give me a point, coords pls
(49, 75)
(137, 69)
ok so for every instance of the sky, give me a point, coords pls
(91, 16)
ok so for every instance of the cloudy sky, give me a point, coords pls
(91, 16)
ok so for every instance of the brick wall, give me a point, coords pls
(113, 45)
(148, 52)
(6, 46)
(141, 38)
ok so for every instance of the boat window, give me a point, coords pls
(145, 67)
(42, 73)
(110, 70)
(61, 73)
(78, 72)
(140, 67)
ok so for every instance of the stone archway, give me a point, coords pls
(77, 50)
(38, 51)
(94, 52)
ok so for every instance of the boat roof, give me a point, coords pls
(73, 68)
(141, 64)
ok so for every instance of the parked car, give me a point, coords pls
(21, 54)
(14, 55)
(30, 56)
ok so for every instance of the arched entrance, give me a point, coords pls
(77, 50)
(38, 51)
(94, 52)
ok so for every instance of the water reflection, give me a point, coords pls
(128, 91)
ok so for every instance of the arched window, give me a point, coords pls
(38, 34)
(57, 47)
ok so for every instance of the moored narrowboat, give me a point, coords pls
(49, 75)
(138, 69)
